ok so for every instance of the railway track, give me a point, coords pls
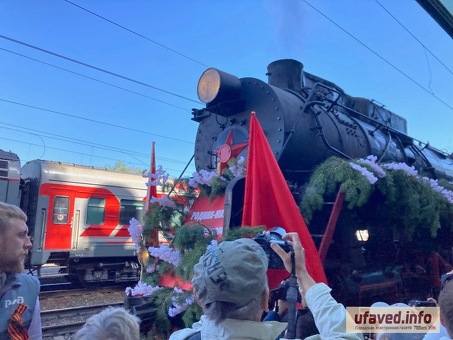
(66, 321)
(50, 294)
(80, 297)
(51, 289)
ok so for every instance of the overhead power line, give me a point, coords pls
(96, 68)
(83, 154)
(379, 56)
(93, 120)
(138, 34)
(65, 150)
(413, 36)
(82, 142)
(94, 79)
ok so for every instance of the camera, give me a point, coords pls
(281, 292)
(419, 303)
(274, 235)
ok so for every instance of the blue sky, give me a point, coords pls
(56, 109)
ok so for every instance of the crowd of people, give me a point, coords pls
(229, 283)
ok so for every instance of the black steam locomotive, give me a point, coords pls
(307, 119)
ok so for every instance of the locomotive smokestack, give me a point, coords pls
(286, 74)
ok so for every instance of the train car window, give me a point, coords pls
(95, 211)
(60, 210)
(130, 209)
(4, 169)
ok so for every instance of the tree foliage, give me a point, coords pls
(121, 166)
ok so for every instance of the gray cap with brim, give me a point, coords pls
(233, 271)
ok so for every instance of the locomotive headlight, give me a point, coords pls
(208, 85)
(215, 86)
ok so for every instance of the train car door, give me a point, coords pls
(60, 216)
(96, 218)
(102, 229)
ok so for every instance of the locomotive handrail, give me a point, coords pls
(374, 122)
(375, 107)
(334, 102)
(421, 154)
(293, 130)
(308, 103)
(320, 128)
(379, 124)
(387, 145)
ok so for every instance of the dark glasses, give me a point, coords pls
(445, 278)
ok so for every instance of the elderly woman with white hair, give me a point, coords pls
(110, 324)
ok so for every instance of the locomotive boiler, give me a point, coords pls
(306, 120)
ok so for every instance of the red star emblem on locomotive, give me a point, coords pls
(227, 151)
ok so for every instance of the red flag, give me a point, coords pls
(268, 201)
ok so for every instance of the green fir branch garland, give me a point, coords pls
(242, 232)
(400, 201)
(192, 314)
(327, 179)
(162, 302)
(192, 240)
(218, 187)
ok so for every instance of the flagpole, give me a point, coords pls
(151, 237)
(152, 170)
(147, 237)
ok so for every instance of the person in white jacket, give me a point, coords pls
(329, 315)
(230, 284)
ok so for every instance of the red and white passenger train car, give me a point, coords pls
(78, 218)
